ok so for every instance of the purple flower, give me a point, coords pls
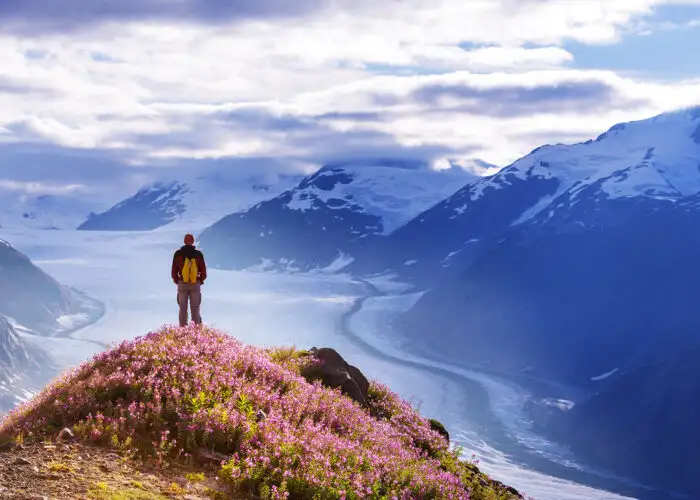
(177, 391)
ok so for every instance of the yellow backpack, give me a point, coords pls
(190, 271)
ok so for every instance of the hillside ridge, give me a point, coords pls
(256, 421)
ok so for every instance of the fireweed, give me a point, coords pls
(176, 391)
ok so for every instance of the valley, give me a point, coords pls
(531, 309)
(307, 310)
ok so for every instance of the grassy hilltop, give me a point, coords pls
(193, 413)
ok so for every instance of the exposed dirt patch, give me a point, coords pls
(66, 471)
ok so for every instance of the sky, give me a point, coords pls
(95, 88)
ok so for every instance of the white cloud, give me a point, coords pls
(498, 116)
(504, 58)
(159, 88)
(39, 188)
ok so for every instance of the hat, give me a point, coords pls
(189, 239)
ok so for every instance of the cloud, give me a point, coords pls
(542, 21)
(359, 144)
(291, 133)
(159, 82)
(499, 58)
(21, 87)
(495, 116)
(261, 118)
(93, 172)
(71, 14)
(357, 116)
(46, 130)
(97, 174)
(40, 187)
(521, 98)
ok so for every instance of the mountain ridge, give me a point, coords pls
(189, 202)
(329, 215)
(656, 158)
(598, 277)
(662, 397)
(40, 300)
(22, 367)
(263, 425)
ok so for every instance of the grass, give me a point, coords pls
(195, 477)
(102, 491)
(166, 397)
(59, 467)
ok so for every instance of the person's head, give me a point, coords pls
(189, 239)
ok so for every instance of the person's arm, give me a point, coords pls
(175, 270)
(202, 265)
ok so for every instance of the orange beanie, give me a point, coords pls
(189, 239)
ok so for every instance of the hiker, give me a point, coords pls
(189, 272)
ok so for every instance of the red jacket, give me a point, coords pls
(188, 251)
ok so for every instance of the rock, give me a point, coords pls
(7, 445)
(66, 435)
(359, 379)
(21, 461)
(47, 476)
(336, 373)
(212, 456)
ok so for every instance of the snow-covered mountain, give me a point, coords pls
(23, 367)
(597, 269)
(31, 297)
(191, 202)
(655, 159)
(31, 303)
(584, 272)
(46, 211)
(329, 216)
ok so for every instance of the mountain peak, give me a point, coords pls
(655, 157)
(331, 214)
(191, 202)
(680, 118)
(691, 113)
(475, 166)
(655, 160)
(391, 190)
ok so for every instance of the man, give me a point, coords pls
(189, 272)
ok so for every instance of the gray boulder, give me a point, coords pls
(336, 373)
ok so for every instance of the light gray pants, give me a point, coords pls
(189, 293)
